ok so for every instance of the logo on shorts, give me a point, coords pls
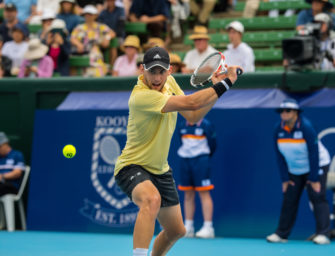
(114, 208)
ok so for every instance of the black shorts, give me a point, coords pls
(131, 175)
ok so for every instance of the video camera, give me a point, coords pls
(303, 50)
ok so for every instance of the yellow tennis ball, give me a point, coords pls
(69, 151)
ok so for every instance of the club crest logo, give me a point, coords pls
(114, 208)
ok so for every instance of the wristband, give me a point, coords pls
(223, 86)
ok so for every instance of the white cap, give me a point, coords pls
(48, 14)
(90, 9)
(322, 17)
(236, 25)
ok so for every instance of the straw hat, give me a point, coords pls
(199, 32)
(36, 49)
(154, 41)
(175, 59)
(132, 41)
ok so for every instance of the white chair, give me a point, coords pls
(9, 200)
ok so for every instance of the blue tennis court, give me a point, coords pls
(89, 244)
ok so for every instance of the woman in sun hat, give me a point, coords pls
(125, 65)
(36, 61)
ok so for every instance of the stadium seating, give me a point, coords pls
(281, 5)
(135, 28)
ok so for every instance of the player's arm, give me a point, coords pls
(195, 106)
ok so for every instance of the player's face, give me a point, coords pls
(288, 115)
(156, 77)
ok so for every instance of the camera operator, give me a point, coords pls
(327, 43)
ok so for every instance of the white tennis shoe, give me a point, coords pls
(205, 232)
(321, 239)
(274, 238)
(189, 232)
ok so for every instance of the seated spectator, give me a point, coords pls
(26, 9)
(10, 20)
(202, 11)
(194, 57)
(152, 42)
(42, 7)
(153, 13)
(238, 52)
(16, 48)
(176, 63)
(307, 16)
(180, 11)
(250, 8)
(47, 17)
(67, 13)
(11, 167)
(59, 47)
(114, 17)
(36, 61)
(125, 65)
(91, 38)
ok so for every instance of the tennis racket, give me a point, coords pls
(204, 72)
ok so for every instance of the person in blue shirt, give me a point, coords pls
(317, 6)
(11, 167)
(67, 13)
(198, 143)
(303, 162)
(154, 13)
(26, 9)
(114, 17)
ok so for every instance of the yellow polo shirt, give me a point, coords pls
(149, 131)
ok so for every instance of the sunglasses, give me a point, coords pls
(287, 110)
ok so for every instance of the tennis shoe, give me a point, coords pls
(205, 232)
(189, 232)
(321, 239)
(274, 238)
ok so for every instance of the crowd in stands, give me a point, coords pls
(96, 29)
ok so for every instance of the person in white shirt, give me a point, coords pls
(202, 49)
(16, 48)
(238, 52)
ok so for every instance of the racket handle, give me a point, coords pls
(239, 71)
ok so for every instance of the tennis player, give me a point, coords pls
(142, 170)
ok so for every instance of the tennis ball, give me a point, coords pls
(69, 151)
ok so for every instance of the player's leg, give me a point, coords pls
(203, 185)
(147, 198)
(171, 220)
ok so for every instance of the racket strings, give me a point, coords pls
(206, 69)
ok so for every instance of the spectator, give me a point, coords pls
(303, 162)
(327, 44)
(198, 142)
(307, 16)
(238, 52)
(11, 167)
(152, 42)
(59, 47)
(26, 9)
(125, 65)
(47, 17)
(250, 9)
(202, 49)
(67, 13)
(180, 10)
(5, 62)
(10, 20)
(176, 63)
(202, 11)
(91, 38)
(97, 3)
(16, 48)
(36, 61)
(154, 13)
(114, 17)
(42, 7)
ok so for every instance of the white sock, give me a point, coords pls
(189, 223)
(208, 224)
(140, 252)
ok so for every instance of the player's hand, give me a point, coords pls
(286, 184)
(232, 73)
(316, 186)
